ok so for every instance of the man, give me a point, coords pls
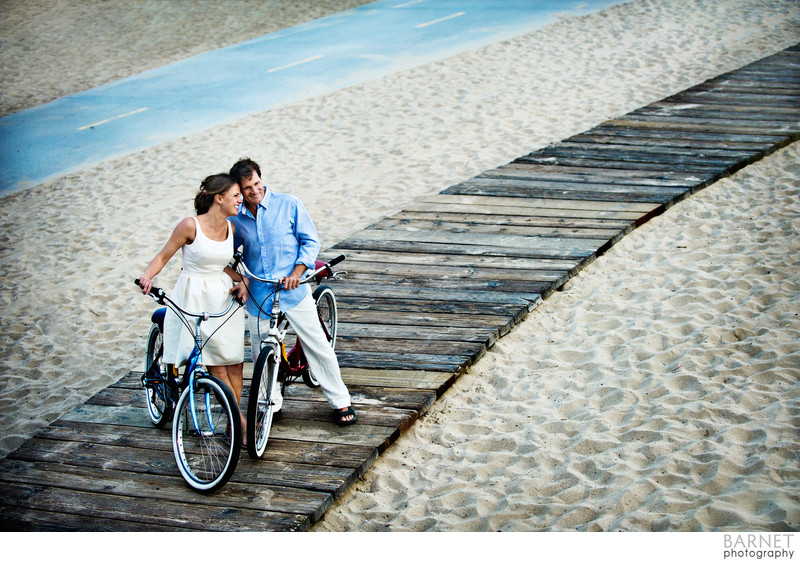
(280, 242)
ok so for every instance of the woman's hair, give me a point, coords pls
(243, 169)
(212, 185)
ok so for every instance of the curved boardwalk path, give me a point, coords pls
(430, 290)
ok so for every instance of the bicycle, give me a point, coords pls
(275, 365)
(206, 428)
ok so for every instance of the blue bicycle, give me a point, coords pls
(206, 428)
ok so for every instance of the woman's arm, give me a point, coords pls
(241, 281)
(183, 233)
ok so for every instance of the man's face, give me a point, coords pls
(252, 190)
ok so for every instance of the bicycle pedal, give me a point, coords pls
(149, 382)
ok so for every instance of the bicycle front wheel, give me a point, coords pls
(156, 390)
(207, 434)
(260, 408)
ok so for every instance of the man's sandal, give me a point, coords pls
(340, 417)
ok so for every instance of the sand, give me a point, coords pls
(658, 391)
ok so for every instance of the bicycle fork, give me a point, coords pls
(195, 360)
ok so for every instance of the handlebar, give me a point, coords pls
(322, 268)
(161, 297)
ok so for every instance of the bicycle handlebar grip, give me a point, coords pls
(336, 261)
(157, 293)
(153, 289)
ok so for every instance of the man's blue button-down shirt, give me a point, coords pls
(279, 237)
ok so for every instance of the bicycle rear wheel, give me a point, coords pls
(207, 438)
(260, 408)
(326, 309)
(156, 390)
(328, 318)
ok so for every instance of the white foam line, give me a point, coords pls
(104, 121)
(440, 20)
(294, 63)
(407, 4)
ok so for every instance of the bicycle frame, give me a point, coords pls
(291, 363)
(195, 360)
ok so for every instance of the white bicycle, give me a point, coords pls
(277, 366)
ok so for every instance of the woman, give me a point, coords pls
(206, 283)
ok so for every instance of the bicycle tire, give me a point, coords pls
(260, 408)
(328, 317)
(207, 458)
(157, 398)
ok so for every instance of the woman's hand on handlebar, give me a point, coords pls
(240, 291)
(145, 284)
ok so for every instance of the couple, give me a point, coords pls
(280, 242)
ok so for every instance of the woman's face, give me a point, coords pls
(231, 200)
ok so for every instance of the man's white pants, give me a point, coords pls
(318, 351)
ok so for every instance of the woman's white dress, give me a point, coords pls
(203, 286)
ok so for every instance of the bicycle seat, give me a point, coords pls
(158, 316)
(323, 274)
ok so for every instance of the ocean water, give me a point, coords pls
(290, 65)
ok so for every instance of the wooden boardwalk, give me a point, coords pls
(430, 290)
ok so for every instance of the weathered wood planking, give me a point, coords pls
(430, 289)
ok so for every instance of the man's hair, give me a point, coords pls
(243, 169)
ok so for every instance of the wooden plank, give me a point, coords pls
(714, 97)
(507, 207)
(24, 519)
(628, 153)
(686, 107)
(360, 434)
(738, 83)
(788, 127)
(400, 305)
(435, 251)
(536, 205)
(555, 169)
(419, 333)
(431, 319)
(138, 510)
(115, 462)
(686, 138)
(563, 190)
(388, 378)
(468, 238)
(534, 221)
(379, 415)
(376, 270)
(159, 439)
(528, 289)
(402, 361)
(388, 345)
(246, 495)
(464, 262)
(458, 227)
(435, 296)
(633, 137)
(722, 155)
(727, 127)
